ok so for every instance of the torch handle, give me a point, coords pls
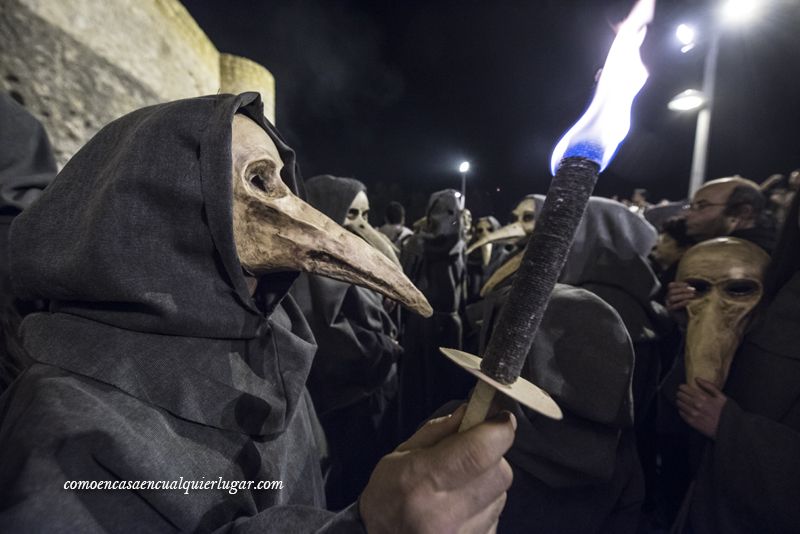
(478, 408)
(541, 266)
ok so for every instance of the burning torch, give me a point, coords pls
(581, 154)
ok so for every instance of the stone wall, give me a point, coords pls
(78, 64)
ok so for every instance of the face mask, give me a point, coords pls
(727, 274)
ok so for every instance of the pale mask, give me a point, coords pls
(727, 274)
(483, 229)
(276, 231)
(357, 221)
(523, 219)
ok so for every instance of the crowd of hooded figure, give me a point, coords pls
(180, 305)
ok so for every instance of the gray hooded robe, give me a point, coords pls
(353, 380)
(154, 362)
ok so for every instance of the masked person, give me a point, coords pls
(27, 166)
(749, 476)
(503, 246)
(508, 242)
(172, 357)
(480, 258)
(353, 380)
(434, 260)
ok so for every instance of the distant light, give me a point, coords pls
(458, 195)
(739, 11)
(687, 100)
(498, 189)
(685, 35)
(464, 167)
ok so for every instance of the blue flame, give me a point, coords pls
(599, 132)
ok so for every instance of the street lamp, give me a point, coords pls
(688, 100)
(463, 169)
(733, 11)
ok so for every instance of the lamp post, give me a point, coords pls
(703, 129)
(463, 169)
(732, 11)
(703, 100)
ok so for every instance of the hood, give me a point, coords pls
(583, 357)
(610, 247)
(136, 230)
(133, 246)
(333, 195)
(27, 164)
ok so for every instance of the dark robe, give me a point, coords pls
(580, 474)
(154, 362)
(27, 165)
(353, 379)
(764, 236)
(609, 258)
(749, 479)
(434, 261)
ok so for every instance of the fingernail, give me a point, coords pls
(507, 417)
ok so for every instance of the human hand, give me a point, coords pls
(701, 406)
(678, 295)
(440, 481)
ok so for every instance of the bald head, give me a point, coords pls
(723, 206)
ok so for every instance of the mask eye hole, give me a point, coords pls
(701, 287)
(740, 288)
(262, 176)
(528, 217)
(258, 182)
(352, 214)
(513, 218)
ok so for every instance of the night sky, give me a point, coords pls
(397, 93)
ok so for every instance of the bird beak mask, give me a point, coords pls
(274, 230)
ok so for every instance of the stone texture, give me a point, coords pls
(239, 74)
(78, 64)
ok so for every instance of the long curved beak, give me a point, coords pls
(376, 239)
(504, 271)
(285, 233)
(510, 231)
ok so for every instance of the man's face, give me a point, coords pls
(705, 219)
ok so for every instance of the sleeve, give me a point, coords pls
(756, 465)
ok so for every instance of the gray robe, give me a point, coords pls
(353, 380)
(153, 361)
(749, 479)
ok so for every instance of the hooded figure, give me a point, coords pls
(507, 243)
(159, 359)
(580, 474)
(609, 258)
(434, 260)
(480, 259)
(749, 477)
(353, 379)
(27, 166)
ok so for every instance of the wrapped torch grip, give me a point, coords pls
(542, 262)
